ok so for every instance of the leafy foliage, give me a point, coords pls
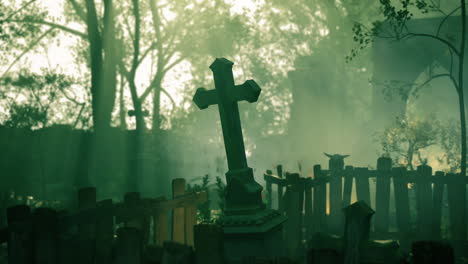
(204, 215)
(33, 99)
(449, 141)
(221, 190)
(406, 138)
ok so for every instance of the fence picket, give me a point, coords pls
(437, 197)
(178, 214)
(362, 184)
(424, 200)
(348, 186)
(320, 200)
(382, 201)
(400, 187)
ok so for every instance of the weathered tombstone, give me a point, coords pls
(357, 228)
(357, 247)
(209, 244)
(176, 253)
(249, 228)
(128, 247)
(432, 252)
(382, 203)
(20, 235)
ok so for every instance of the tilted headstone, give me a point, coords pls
(357, 247)
(245, 212)
(243, 193)
(357, 228)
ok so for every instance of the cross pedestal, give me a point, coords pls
(249, 228)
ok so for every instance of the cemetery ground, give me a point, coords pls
(318, 229)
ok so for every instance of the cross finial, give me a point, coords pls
(242, 190)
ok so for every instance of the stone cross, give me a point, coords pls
(243, 194)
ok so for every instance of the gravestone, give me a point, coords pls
(249, 228)
(357, 248)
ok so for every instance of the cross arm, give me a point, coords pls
(248, 91)
(204, 98)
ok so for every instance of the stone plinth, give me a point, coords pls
(258, 234)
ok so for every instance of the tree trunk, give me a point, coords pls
(135, 172)
(122, 110)
(461, 99)
(103, 82)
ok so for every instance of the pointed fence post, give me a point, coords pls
(362, 185)
(178, 214)
(348, 185)
(382, 205)
(320, 200)
(437, 198)
(424, 200)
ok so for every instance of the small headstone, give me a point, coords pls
(357, 228)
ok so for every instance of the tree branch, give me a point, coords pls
(445, 19)
(174, 63)
(50, 24)
(20, 9)
(146, 52)
(438, 76)
(170, 97)
(78, 9)
(450, 45)
(136, 40)
(27, 50)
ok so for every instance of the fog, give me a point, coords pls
(318, 96)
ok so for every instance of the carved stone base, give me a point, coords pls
(259, 234)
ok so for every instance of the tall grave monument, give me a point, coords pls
(249, 228)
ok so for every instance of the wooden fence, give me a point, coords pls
(305, 200)
(88, 235)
